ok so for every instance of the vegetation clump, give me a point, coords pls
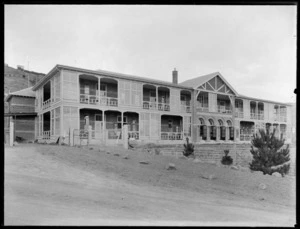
(226, 160)
(269, 155)
(188, 149)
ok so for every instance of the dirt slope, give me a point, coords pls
(60, 185)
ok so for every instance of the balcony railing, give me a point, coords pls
(282, 118)
(224, 109)
(171, 135)
(163, 107)
(95, 100)
(149, 105)
(109, 101)
(46, 104)
(253, 115)
(186, 108)
(239, 114)
(133, 134)
(202, 108)
(246, 137)
(46, 135)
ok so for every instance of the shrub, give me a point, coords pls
(188, 148)
(226, 160)
(269, 156)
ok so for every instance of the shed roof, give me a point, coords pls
(27, 92)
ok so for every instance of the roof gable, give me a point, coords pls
(211, 82)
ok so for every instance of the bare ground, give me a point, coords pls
(61, 185)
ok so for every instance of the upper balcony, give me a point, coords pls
(222, 104)
(280, 113)
(90, 93)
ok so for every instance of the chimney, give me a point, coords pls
(175, 76)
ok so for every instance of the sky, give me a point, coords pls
(253, 47)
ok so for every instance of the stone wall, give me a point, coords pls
(213, 153)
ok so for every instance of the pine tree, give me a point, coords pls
(188, 148)
(268, 153)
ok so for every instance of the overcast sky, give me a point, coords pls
(253, 47)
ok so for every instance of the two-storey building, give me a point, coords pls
(206, 108)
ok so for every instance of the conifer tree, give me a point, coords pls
(268, 153)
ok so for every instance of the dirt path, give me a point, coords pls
(47, 187)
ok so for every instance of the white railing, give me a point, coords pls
(202, 109)
(133, 134)
(223, 109)
(253, 116)
(239, 114)
(260, 116)
(109, 101)
(282, 118)
(246, 137)
(149, 105)
(163, 107)
(186, 108)
(89, 99)
(171, 135)
(46, 134)
(46, 104)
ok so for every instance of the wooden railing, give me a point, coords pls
(239, 114)
(149, 105)
(109, 101)
(95, 100)
(46, 104)
(46, 134)
(202, 108)
(223, 109)
(133, 134)
(163, 107)
(171, 135)
(246, 137)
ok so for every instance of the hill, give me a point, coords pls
(18, 79)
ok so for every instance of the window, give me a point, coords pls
(98, 117)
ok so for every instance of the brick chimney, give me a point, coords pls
(175, 76)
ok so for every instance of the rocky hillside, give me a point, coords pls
(17, 79)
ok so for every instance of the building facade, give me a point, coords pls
(205, 109)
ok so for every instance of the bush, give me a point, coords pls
(226, 160)
(269, 156)
(188, 148)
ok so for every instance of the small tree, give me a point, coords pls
(268, 154)
(226, 160)
(188, 148)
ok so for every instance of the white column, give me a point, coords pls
(11, 132)
(156, 98)
(226, 133)
(208, 133)
(218, 133)
(99, 91)
(125, 136)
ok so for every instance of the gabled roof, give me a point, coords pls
(27, 92)
(198, 81)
